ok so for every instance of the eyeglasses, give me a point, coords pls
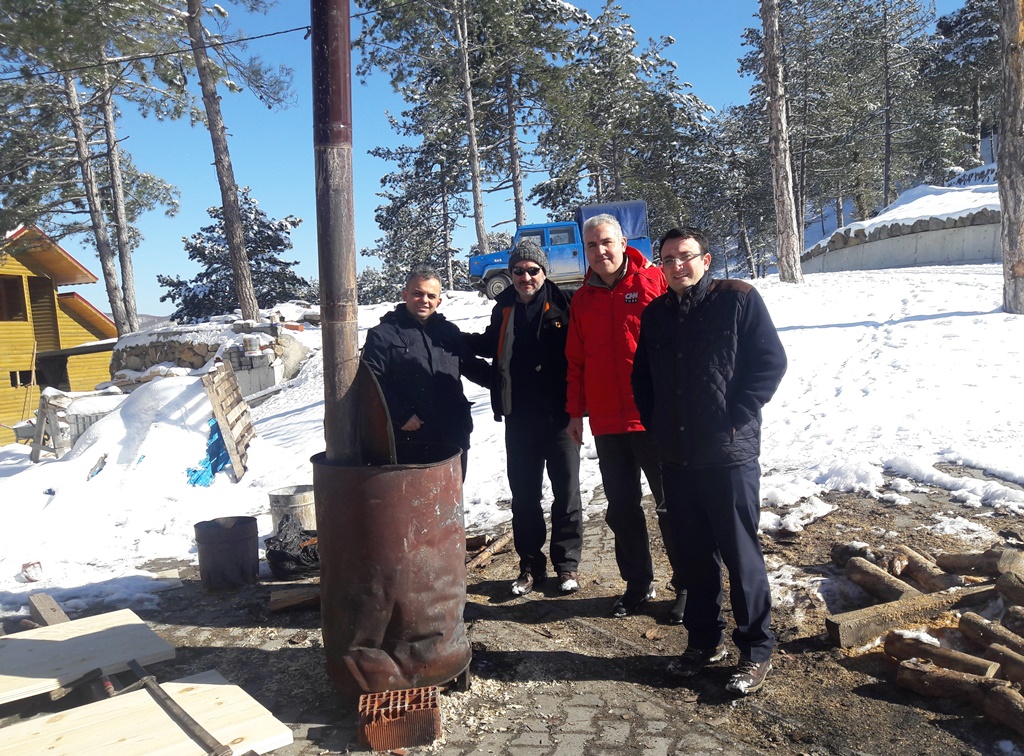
(669, 261)
(526, 271)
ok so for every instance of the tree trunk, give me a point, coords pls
(744, 239)
(462, 37)
(92, 196)
(788, 249)
(886, 115)
(446, 232)
(233, 228)
(1011, 155)
(976, 116)
(124, 250)
(514, 152)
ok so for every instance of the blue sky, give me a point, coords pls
(272, 151)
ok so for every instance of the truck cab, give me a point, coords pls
(563, 243)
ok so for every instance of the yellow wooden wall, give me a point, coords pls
(85, 371)
(15, 404)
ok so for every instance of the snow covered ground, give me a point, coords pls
(891, 370)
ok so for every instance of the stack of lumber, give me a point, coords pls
(58, 654)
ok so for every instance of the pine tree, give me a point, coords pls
(212, 291)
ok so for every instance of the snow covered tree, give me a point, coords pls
(213, 291)
(964, 71)
(623, 126)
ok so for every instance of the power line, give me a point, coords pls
(153, 56)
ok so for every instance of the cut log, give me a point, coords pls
(984, 633)
(859, 626)
(1006, 706)
(484, 556)
(877, 581)
(926, 573)
(902, 646)
(1011, 664)
(930, 680)
(1011, 587)
(300, 597)
(1013, 620)
(841, 553)
(45, 611)
(993, 562)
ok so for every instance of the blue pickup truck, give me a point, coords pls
(563, 242)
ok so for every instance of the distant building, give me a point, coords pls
(47, 338)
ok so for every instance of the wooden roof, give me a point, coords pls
(81, 307)
(44, 257)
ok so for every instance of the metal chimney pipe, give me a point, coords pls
(335, 223)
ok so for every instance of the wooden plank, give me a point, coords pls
(45, 611)
(862, 625)
(41, 660)
(134, 723)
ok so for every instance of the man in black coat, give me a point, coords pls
(708, 359)
(526, 341)
(418, 358)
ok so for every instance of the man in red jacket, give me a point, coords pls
(604, 324)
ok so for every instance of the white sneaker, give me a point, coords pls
(568, 582)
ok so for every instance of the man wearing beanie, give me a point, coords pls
(526, 343)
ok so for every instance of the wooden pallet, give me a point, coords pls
(44, 659)
(232, 414)
(134, 723)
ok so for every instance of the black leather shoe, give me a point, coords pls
(630, 601)
(675, 612)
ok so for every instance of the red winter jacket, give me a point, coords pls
(604, 325)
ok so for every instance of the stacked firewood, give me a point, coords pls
(914, 589)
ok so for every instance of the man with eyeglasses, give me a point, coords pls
(526, 341)
(419, 358)
(708, 359)
(603, 330)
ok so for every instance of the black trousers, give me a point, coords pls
(715, 513)
(621, 457)
(530, 444)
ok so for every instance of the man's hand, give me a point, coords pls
(412, 424)
(575, 429)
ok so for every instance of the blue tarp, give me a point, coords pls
(217, 458)
(632, 216)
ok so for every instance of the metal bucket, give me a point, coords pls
(229, 554)
(296, 501)
(393, 570)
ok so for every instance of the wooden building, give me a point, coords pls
(47, 338)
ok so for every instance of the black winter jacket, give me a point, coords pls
(551, 336)
(419, 368)
(704, 367)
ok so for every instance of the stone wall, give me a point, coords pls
(927, 241)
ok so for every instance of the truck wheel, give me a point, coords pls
(497, 284)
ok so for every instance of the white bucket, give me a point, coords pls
(296, 501)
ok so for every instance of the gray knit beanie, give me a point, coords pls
(528, 249)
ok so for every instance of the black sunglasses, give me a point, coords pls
(526, 271)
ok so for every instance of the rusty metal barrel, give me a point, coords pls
(392, 570)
